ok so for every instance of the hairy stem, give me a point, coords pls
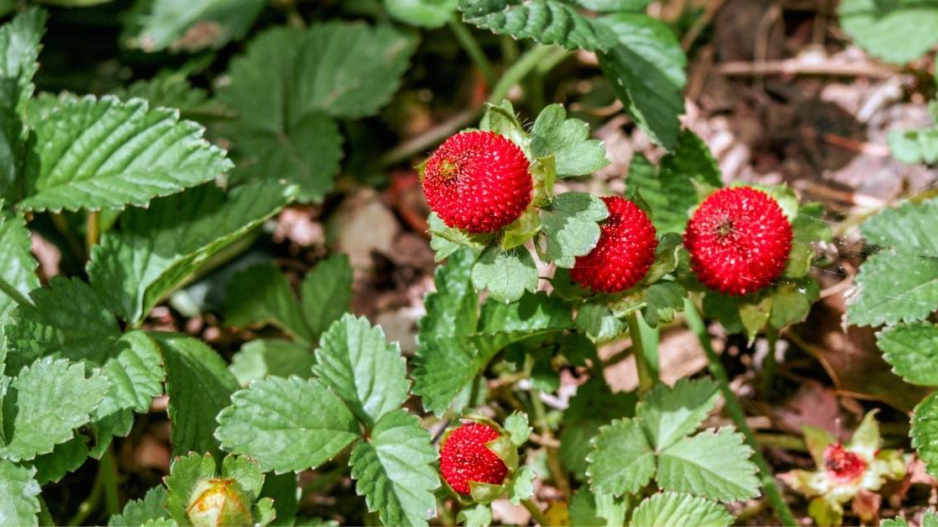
(472, 48)
(645, 351)
(735, 409)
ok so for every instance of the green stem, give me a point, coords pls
(472, 48)
(735, 409)
(520, 69)
(770, 364)
(110, 482)
(553, 462)
(91, 503)
(536, 513)
(646, 354)
(92, 229)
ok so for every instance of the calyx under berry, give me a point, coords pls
(218, 502)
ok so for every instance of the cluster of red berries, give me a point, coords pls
(738, 239)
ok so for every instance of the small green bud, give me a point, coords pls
(219, 503)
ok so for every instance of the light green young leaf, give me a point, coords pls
(892, 287)
(262, 294)
(568, 140)
(669, 414)
(138, 512)
(907, 228)
(571, 223)
(287, 424)
(183, 25)
(326, 293)
(17, 265)
(394, 470)
(622, 461)
(896, 31)
(199, 386)
(671, 508)
(518, 428)
(646, 69)
(95, 154)
(423, 13)
(714, 464)
(924, 432)
(368, 373)
(912, 350)
(135, 372)
(522, 485)
(545, 21)
(505, 274)
(259, 358)
(45, 403)
(914, 146)
(159, 248)
(20, 504)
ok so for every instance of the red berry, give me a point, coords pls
(478, 181)
(624, 253)
(842, 466)
(739, 240)
(464, 458)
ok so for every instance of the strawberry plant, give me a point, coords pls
(385, 263)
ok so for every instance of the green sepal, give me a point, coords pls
(485, 492)
(544, 172)
(667, 257)
(521, 230)
(505, 450)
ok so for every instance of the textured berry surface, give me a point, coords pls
(842, 466)
(464, 458)
(624, 253)
(739, 240)
(478, 181)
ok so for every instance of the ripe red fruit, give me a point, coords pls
(624, 253)
(478, 181)
(464, 458)
(739, 240)
(842, 466)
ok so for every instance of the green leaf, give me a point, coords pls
(568, 140)
(571, 223)
(395, 470)
(282, 488)
(159, 248)
(478, 516)
(287, 424)
(423, 13)
(261, 295)
(613, 5)
(259, 358)
(894, 286)
(139, 512)
(65, 457)
(45, 403)
(669, 414)
(906, 228)
(326, 293)
(924, 432)
(136, 373)
(184, 474)
(662, 301)
(646, 68)
(357, 362)
(20, 503)
(622, 461)
(714, 464)
(191, 26)
(670, 508)
(443, 368)
(522, 485)
(446, 241)
(596, 510)
(532, 315)
(505, 274)
(599, 323)
(95, 154)
(545, 21)
(912, 350)
(17, 265)
(517, 427)
(199, 386)
(896, 31)
(792, 301)
(167, 90)
(914, 146)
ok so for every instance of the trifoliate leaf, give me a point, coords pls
(138, 512)
(505, 274)
(669, 414)
(912, 350)
(714, 464)
(894, 286)
(190, 25)
(896, 31)
(924, 432)
(394, 470)
(65, 457)
(20, 503)
(568, 140)
(368, 373)
(259, 358)
(906, 228)
(622, 461)
(261, 295)
(646, 69)
(17, 265)
(571, 223)
(545, 21)
(671, 508)
(287, 424)
(95, 154)
(199, 386)
(423, 13)
(158, 248)
(135, 372)
(45, 403)
(326, 293)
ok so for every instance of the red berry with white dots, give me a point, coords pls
(464, 457)
(739, 240)
(624, 253)
(478, 182)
